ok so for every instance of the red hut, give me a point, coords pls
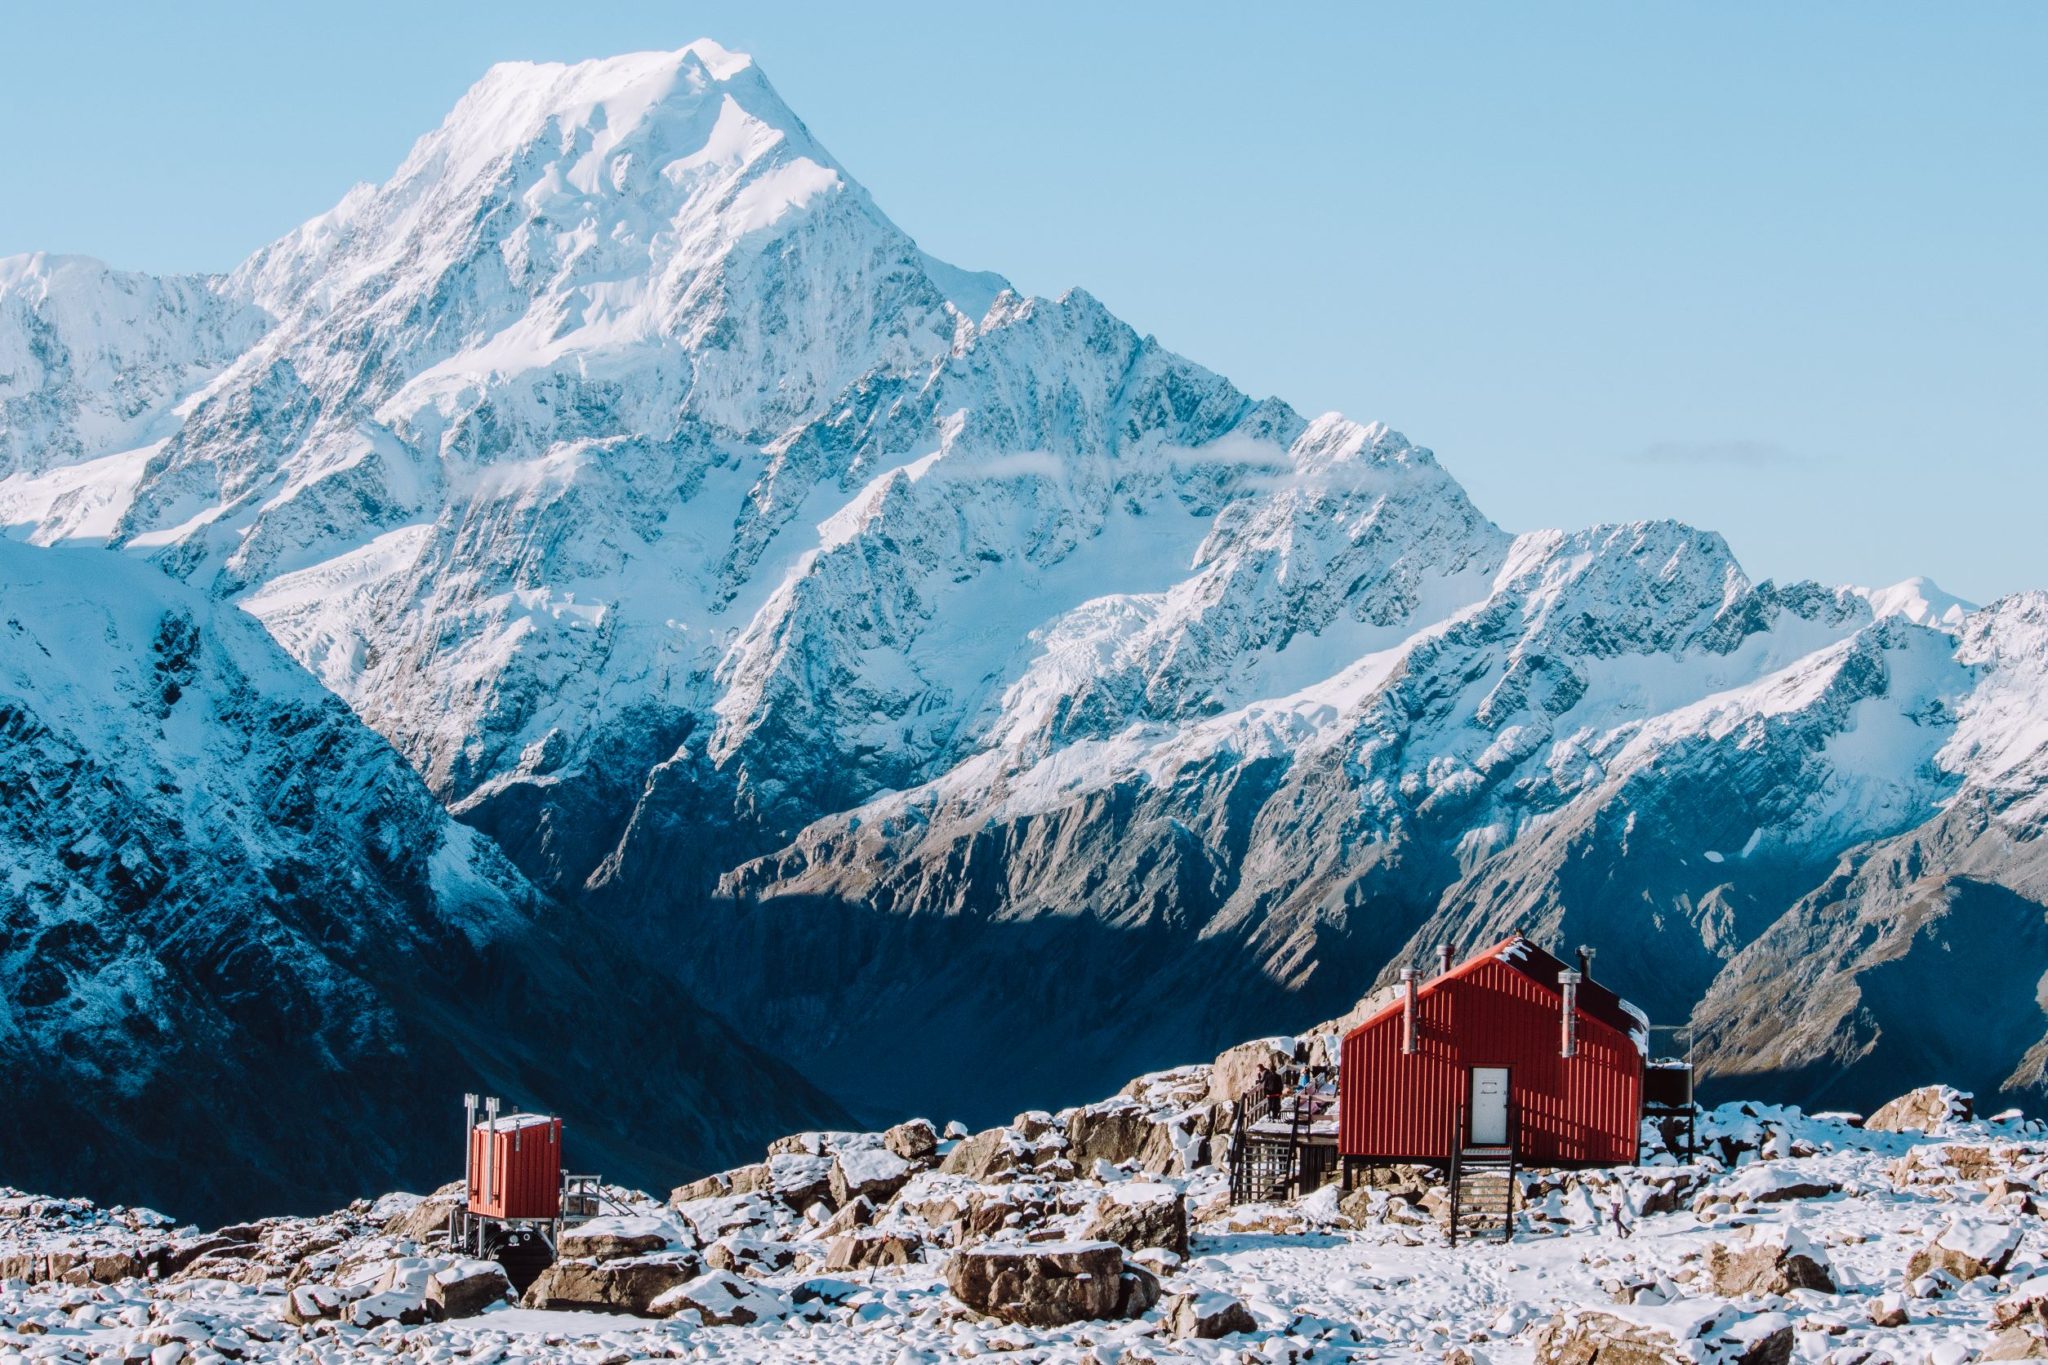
(515, 1166)
(1512, 1053)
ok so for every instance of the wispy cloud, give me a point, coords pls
(1737, 452)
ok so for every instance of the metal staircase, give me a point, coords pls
(1483, 1185)
(1261, 1168)
(1275, 1153)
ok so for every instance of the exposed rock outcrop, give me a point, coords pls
(1046, 1285)
(1968, 1249)
(1930, 1109)
(630, 1285)
(1775, 1260)
(1205, 1316)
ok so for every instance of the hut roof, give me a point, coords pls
(1596, 1001)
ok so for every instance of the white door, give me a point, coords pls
(1489, 1106)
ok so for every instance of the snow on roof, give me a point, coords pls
(508, 1122)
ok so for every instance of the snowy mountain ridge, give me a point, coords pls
(869, 641)
(222, 890)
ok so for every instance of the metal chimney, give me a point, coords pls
(1410, 1029)
(1569, 981)
(468, 1144)
(491, 1147)
(1586, 961)
(1443, 959)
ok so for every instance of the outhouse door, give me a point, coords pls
(1489, 1106)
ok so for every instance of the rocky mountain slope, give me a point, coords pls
(248, 962)
(894, 656)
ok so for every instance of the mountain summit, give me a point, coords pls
(956, 689)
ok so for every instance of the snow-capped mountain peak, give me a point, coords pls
(702, 540)
(1919, 600)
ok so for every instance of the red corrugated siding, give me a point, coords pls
(526, 1176)
(1583, 1109)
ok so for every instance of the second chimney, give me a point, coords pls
(1569, 981)
(1411, 1027)
(1443, 959)
(1586, 961)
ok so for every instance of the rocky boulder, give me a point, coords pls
(2021, 1324)
(619, 1235)
(738, 1180)
(1115, 1131)
(744, 1255)
(750, 1214)
(407, 1309)
(1775, 1260)
(799, 1179)
(986, 1155)
(1930, 1109)
(1048, 1284)
(399, 1294)
(1688, 1332)
(623, 1286)
(709, 1187)
(721, 1299)
(2025, 1307)
(1205, 1316)
(417, 1220)
(1770, 1182)
(1137, 1291)
(466, 1288)
(311, 1303)
(868, 1248)
(979, 1211)
(1236, 1072)
(870, 1173)
(916, 1141)
(2016, 1343)
(1139, 1215)
(1968, 1250)
(856, 1214)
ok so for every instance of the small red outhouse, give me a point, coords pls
(515, 1166)
(1511, 1050)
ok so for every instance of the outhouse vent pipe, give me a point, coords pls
(491, 1147)
(1410, 1041)
(1569, 980)
(468, 1144)
(1443, 959)
(1586, 961)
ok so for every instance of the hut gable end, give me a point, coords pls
(1501, 1008)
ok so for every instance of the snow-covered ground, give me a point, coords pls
(1788, 1237)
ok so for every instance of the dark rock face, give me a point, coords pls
(225, 885)
(1249, 893)
(1918, 957)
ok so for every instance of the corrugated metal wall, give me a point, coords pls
(526, 1175)
(1585, 1109)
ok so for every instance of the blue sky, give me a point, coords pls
(1775, 270)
